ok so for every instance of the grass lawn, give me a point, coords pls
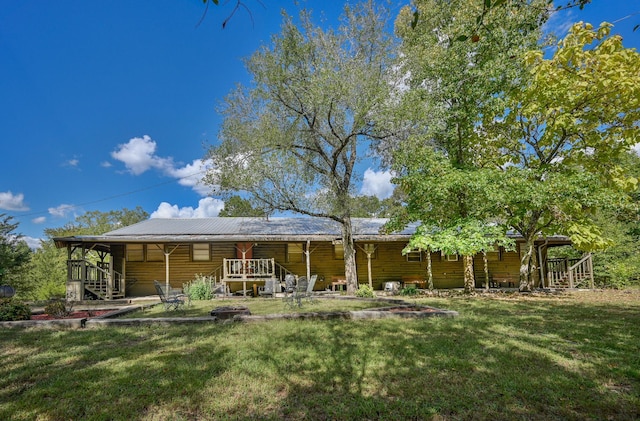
(257, 306)
(575, 356)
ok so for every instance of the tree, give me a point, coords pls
(292, 139)
(559, 140)
(451, 86)
(47, 271)
(14, 252)
(96, 222)
(237, 206)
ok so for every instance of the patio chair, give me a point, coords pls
(269, 288)
(310, 286)
(294, 294)
(173, 300)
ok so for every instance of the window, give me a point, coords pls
(295, 252)
(155, 253)
(449, 257)
(338, 250)
(414, 256)
(135, 253)
(200, 252)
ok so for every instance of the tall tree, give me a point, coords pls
(451, 85)
(14, 252)
(292, 139)
(97, 222)
(237, 206)
(560, 137)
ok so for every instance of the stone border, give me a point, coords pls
(110, 319)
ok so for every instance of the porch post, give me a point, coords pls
(166, 271)
(307, 253)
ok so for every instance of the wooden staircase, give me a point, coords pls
(570, 273)
(97, 279)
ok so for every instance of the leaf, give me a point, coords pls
(462, 38)
(487, 4)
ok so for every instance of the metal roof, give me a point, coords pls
(244, 229)
(178, 230)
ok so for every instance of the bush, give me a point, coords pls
(365, 291)
(199, 288)
(409, 290)
(56, 308)
(11, 310)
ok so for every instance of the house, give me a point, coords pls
(240, 252)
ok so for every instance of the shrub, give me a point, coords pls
(199, 288)
(11, 310)
(365, 291)
(56, 308)
(409, 290)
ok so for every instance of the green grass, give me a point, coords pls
(256, 306)
(534, 358)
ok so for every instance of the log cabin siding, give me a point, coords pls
(389, 264)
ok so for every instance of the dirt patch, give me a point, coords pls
(83, 314)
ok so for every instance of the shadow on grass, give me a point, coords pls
(520, 359)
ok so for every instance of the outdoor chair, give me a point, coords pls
(295, 293)
(269, 288)
(173, 300)
(308, 292)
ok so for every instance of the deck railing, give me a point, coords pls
(97, 278)
(248, 268)
(570, 273)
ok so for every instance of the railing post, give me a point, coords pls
(571, 279)
(225, 273)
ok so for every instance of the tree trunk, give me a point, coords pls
(527, 261)
(469, 279)
(429, 270)
(349, 256)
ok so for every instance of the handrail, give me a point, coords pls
(248, 268)
(570, 271)
(95, 277)
(581, 270)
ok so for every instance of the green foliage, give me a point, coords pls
(237, 206)
(56, 308)
(291, 138)
(409, 290)
(12, 310)
(47, 272)
(14, 252)
(365, 291)
(96, 222)
(199, 288)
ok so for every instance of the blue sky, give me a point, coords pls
(106, 105)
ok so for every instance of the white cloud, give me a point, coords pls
(33, 243)
(39, 220)
(207, 207)
(139, 156)
(191, 175)
(105, 164)
(377, 183)
(61, 211)
(72, 162)
(9, 201)
(636, 149)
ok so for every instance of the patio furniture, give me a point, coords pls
(269, 289)
(173, 300)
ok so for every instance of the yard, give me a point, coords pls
(573, 356)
